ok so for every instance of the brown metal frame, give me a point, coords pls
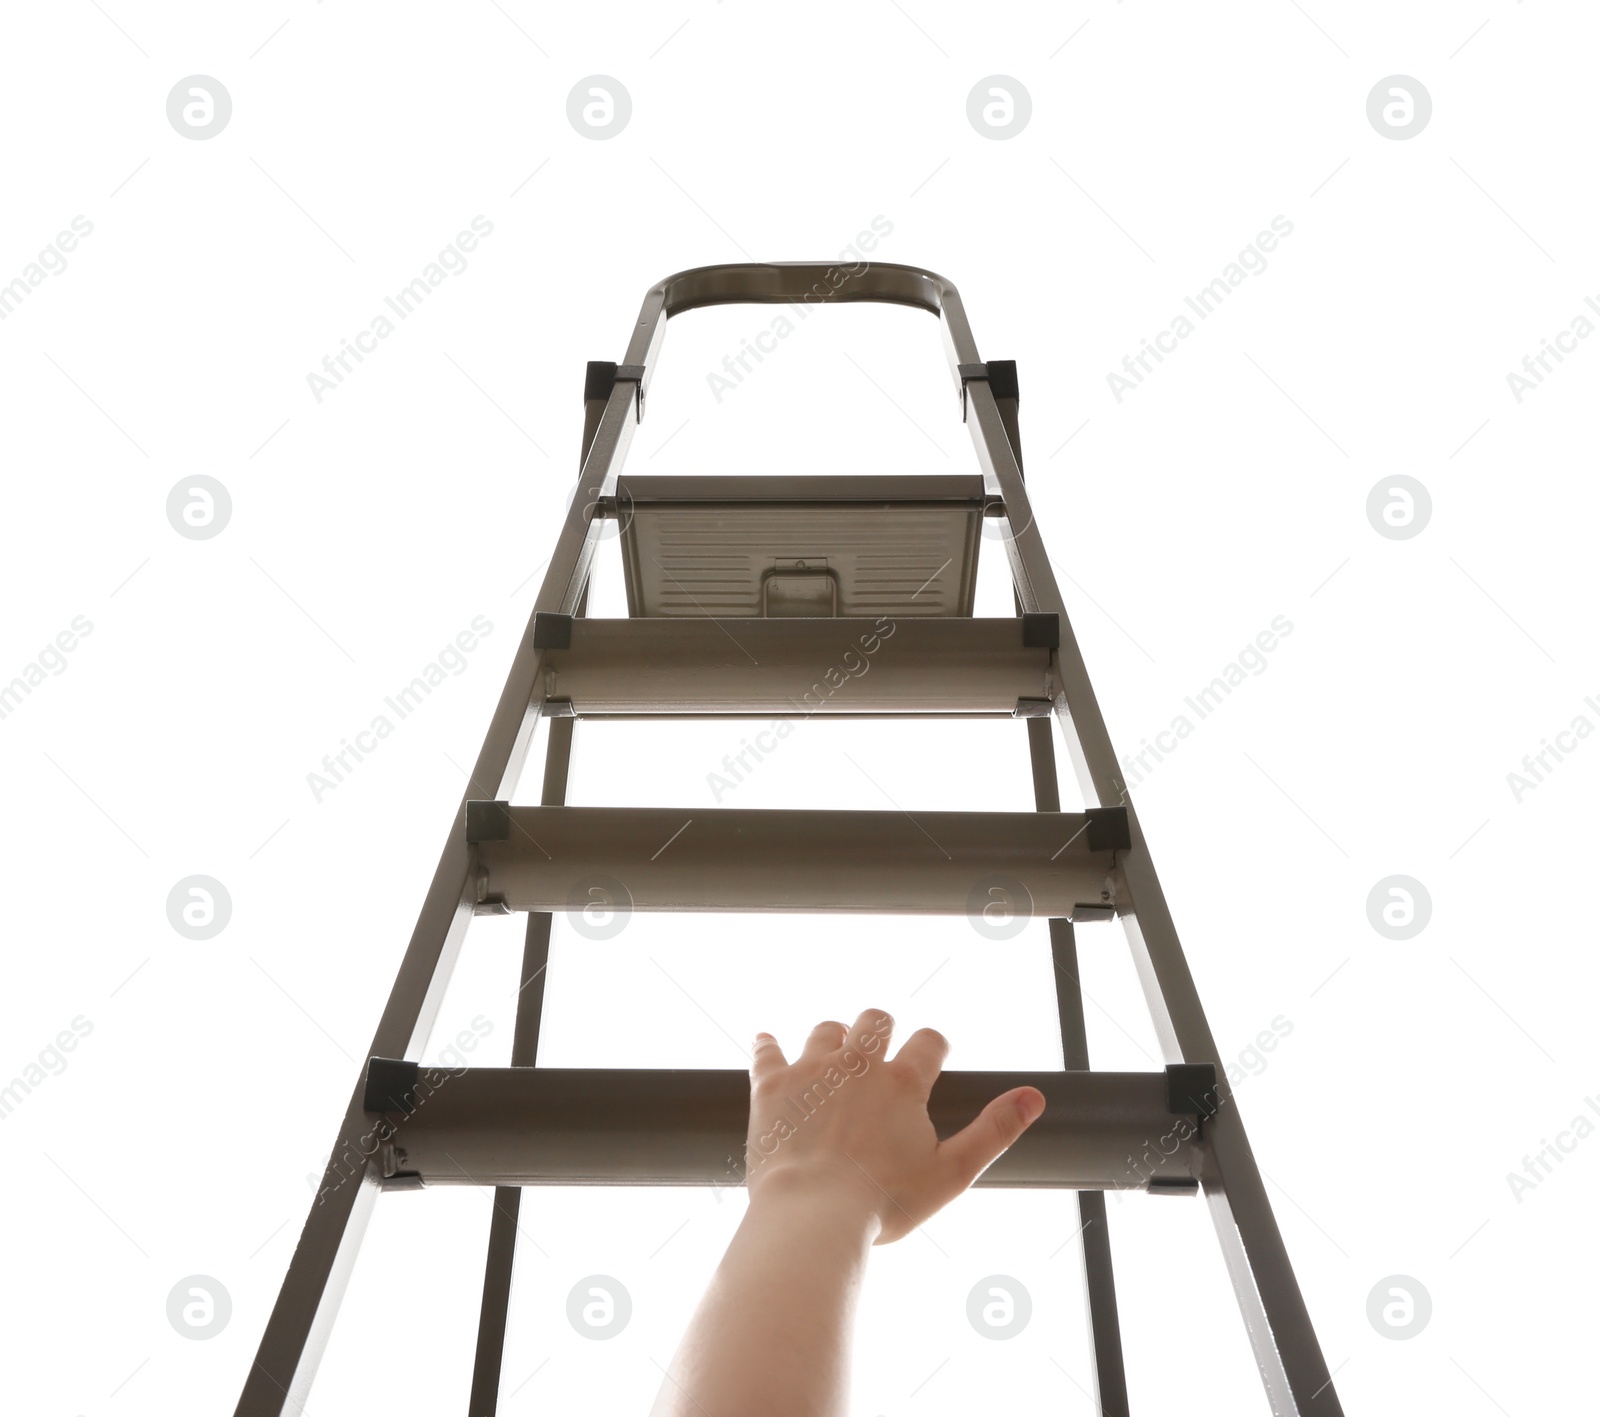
(1285, 1345)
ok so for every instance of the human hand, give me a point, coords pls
(847, 1122)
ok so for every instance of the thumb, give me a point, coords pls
(972, 1150)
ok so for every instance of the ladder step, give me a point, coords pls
(686, 1127)
(998, 864)
(795, 668)
(800, 546)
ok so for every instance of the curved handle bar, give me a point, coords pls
(789, 282)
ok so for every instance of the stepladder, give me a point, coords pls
(740, 591)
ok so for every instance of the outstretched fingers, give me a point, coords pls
(870, 1034)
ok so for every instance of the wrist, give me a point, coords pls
(822, 1206)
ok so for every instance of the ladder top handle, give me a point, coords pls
(791, 282)
(808, 282)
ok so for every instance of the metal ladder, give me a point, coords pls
(758, 597)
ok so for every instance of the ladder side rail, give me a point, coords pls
(499, 1265)
(1094, 1229)
(500, 1262)
(302, 1317)
(1288, 1354)
(1094, 1234)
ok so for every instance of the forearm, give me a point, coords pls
(772, 1334)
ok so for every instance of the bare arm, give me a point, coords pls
(840, 1156)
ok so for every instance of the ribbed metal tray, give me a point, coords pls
(800, 546)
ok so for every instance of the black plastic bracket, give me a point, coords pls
(1108, 829)
(488, 821)
(1192, 1089)
(390, 1086)
(1041, 629)
(551, 631)
(601, 377)
(598, 377)
(1003, 379)
(1173, 1186)
(1032, 708)
(999, 374)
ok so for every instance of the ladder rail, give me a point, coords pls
(1288, 1354)
(1094, 1230)
(500, 1262)
(297, 1331)
(1094, 1234)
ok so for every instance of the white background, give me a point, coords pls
(369, 528)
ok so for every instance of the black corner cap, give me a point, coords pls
(598, 379)
(390, 1086)
(488, 821)
(1003, 379)
(1108, 829)
(1192, 1089)
(1041, 629)
(551, 631)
